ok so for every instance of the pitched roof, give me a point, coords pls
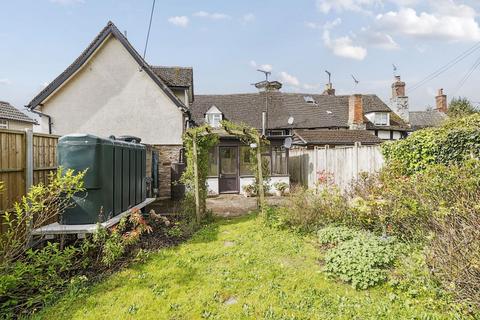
(326, 112)
(425, 119)
(109, 29)
(175, 76)
(335, 137)
(9, 112)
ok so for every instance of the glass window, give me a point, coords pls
(3, 124)
(228, 160)
(246, 161)
(214, 119)
(213, 162)
(279, 160)
(381, 118)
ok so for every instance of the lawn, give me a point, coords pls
(234, 269)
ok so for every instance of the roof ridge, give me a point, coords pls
(163, 66)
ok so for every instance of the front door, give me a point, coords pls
(228, 178)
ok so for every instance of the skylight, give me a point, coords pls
(309, 99)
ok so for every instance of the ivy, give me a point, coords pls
(456, 141)
(205, 139)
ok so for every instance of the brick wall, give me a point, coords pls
(167, 154)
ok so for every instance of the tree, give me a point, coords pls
(461, 107)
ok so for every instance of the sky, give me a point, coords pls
(226, 41)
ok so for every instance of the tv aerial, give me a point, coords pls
(355, 80)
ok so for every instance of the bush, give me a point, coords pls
(308, 210)
(362, 261)
(334, 235)
(454, 142)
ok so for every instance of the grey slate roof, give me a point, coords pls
(109, 29)
(335, 137)
(328, 112)
(9, 112)
(424, 119)
(175, 76)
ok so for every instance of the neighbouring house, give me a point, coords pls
(312, 120)
(13, 119)
(111, 90)
(417, 119)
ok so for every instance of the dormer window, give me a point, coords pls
(381, 119)
(213, 117)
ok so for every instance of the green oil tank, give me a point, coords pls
(80, 152)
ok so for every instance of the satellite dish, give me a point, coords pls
(290, 120)
(288, 143)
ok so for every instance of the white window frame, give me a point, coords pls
(3, 124)
(213, 119)
(381, 119)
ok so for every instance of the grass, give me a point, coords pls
(234, 269)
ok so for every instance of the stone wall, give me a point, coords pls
(167, 155)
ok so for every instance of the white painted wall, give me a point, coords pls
(112, 95)
(19, 125)
(212, 185)
(384, 134)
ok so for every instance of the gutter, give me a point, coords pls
(41, 114)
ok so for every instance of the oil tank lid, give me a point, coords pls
(129, 139)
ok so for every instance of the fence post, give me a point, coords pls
(28, 159)
(355, 160)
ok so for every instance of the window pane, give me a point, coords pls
(213, 162)
(228, 160)
(279, 160)
(246, 161)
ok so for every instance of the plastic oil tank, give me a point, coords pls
(80, 152)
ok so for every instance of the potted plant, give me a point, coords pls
(249, 190)
(281, 188)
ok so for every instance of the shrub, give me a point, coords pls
(454, 142)
(333, 235)
(41, 204)
(362, 261)
(308, 210)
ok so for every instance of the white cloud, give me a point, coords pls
(264, 67)
(325, 6)
(67, 2)
(449, 21)
(5, 81)
(378, 39)
(213, 16)
(289, 80)
(249, 17)
(344, 47)
(179, 21)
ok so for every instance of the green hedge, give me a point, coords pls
(455, 141)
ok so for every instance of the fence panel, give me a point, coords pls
(14, 167)
(343, 164)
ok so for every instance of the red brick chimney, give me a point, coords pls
(355, 112)
(398, 88)
(441, 100)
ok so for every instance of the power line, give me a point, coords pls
(447, 66)
(149, 27)
(467, 75)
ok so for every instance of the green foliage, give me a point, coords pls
(42, 203)
(454, 142)
(205, 141)
(461, 107)
(362, 261)
(307, 210)
(282, 187)
(333, 235)
(30, 282)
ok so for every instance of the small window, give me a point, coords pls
(214, 119)
(279, 161)
(246, 161)
(3, 124)
(277, 132)
(309, 99)
(213, 162)
(381, 118)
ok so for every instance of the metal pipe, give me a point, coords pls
(41, 114)
(264, 123)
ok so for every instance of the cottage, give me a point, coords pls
(110, 90)
(13, 119)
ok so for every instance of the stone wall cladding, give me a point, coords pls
(167, 155)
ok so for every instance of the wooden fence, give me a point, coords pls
(343, 164)
(26, 158)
